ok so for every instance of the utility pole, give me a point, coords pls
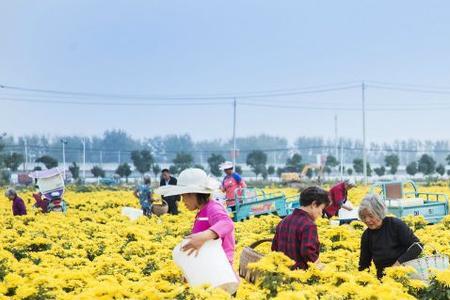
(342, 160)
(83, 141)
(363, 96)
(234, 134)
(336, 142)
(26, 154)
(64, 142)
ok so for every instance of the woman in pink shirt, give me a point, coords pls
(231, 182)
(212, 220)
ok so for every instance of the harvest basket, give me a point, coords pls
(250, 255)
(160, 208)
(424, 264)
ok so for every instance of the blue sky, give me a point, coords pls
(206, 47)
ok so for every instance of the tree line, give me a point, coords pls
(115, 146)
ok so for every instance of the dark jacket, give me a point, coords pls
(394, 241)
(172, 181)
(18, 207)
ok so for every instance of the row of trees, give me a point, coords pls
(144, 162)
(116, 145)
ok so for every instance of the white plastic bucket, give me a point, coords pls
(211, 266)
(348, 214)
(132, 213)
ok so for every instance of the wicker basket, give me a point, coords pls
(160, 209)
(422, 265)
(249, 255)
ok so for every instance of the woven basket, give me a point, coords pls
(160, 209)
(422, 265)
(249, 255)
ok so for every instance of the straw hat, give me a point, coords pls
(190, 181)
(226, 165)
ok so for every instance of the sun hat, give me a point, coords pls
(350, 181)
(226, 165)
(191, 180)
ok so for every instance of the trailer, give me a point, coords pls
(254, 202)
(403, 198)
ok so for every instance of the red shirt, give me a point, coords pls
(338, 195)
(296, 236)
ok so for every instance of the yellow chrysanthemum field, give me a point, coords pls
(93, 252)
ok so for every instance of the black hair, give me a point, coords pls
(314, 194)
(202, 198)
(147, 180)
(165, 170)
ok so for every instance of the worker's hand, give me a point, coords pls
(197, 240)
(396, 264)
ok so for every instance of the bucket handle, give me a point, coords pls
(164, 203)
(257, 243)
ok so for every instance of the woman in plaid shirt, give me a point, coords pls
(296, 235)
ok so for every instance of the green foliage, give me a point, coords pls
(182, 161)
(380, 171)
(349, 171)
(214, 161)
(358, 164)
(427, 164)
(142, 160)
(294, 164)
(271, 170)
(48, 161)
(440, 169)
(13, 160)
(411, 168)
(75, 170)
(5, 175)
(331, 161)
(98, 171)
(156, 169)
(257, 160)
(393, 162)
(124, 170)
(238, 169)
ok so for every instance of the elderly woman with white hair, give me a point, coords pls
(387, 241)
(18, 206)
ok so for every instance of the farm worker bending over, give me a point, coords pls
(41, 202)
(18, 206)
(212, 220)
(144, 193)
(387, 241)
(172, 201)
(296, 235)
(231, 182)
(338, 197)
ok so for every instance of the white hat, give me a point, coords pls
(226, 165)
(350, 181)
(190, 181)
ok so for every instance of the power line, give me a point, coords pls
(428, 87)
(273, 93)
(113, 103)
(340, 108)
